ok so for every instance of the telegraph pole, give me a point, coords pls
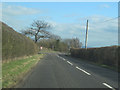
(86, 35)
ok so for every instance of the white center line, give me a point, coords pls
(63, 59)
(60, 57)
(108, 86)
(83, 70)
(70, 63)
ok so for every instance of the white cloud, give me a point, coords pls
(18, 10)
(60, 0)
(101, 23)
(100, 33)
(0, 11)
(71, 15)
(16, 16)
(104, 6)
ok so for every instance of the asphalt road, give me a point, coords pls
(59, 71)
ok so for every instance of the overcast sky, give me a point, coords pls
(68, 19)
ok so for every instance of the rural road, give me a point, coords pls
(60, 71)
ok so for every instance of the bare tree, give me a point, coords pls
(38, 30)
(55, 37)
(73, 43)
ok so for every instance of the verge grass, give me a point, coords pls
(13, 71)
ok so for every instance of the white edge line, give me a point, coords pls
(83, 70)
(70, 63)
(108, 86)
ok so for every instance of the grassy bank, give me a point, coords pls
(15, 44)
(13, 71)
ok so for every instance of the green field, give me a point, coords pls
(13, 71)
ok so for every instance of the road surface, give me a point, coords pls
(60, 71)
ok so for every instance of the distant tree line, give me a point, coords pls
(43, 37)
(62, 45)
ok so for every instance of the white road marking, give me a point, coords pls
(83, 70)
(63, 59)
(70, 63)
(108, 86)
(60, 57)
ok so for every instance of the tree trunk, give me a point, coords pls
(35, 38)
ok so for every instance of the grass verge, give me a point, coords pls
(13, 71)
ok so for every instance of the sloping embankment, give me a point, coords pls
(15, 44)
